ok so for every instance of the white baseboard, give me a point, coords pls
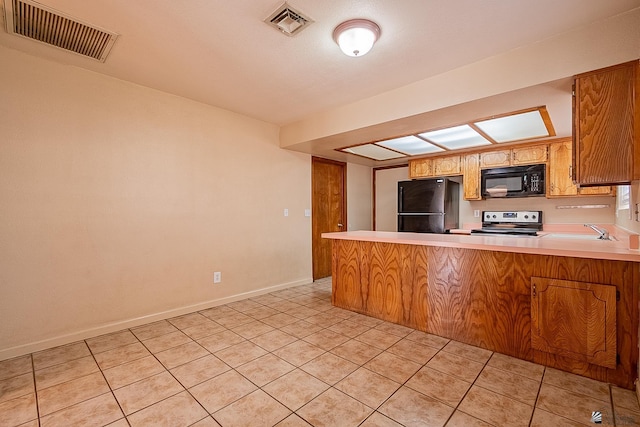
(32, 347)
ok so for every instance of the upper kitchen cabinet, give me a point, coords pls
(559, 179)
(514, 157)
(420, 168)
(471, 177)
(436, 166)
(606, 118)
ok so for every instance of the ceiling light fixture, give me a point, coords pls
(357, 36)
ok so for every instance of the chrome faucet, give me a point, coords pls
(604, 234)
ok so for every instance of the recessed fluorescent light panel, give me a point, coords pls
(374, 152)
(410, 145)
(515, 127)
(456, 137)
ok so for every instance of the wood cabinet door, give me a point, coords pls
(420, 168)
(597, 191)
(492, 159)
(559, 180)
(605, 114)
(576, 320)
(529, 155)
(471, 177)
(447, 166)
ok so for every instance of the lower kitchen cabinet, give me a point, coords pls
(575, 320)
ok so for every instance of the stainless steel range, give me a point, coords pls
(518, 223)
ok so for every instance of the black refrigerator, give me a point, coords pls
(428, 205)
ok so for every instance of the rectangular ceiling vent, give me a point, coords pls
(288, 21)
(37, 22)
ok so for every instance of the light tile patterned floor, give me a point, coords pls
(290, 358)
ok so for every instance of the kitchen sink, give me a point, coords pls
(574, 236)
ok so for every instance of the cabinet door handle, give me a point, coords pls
(571, 171)
(534, 291)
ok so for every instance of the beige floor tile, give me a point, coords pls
(130, 372)
(295, 389)
(110, 341)
(393, 367)
(244, 305)
(445, 388)
(460, 367)
(122, 422)
(570, 405)
(265, 369)
(222, 390)
(199, 370)
(349, 328)
(97, 411)
(293, 421)
(334, 408)
(394, 329)
(181, 354)
(624, 398)
(166, 341)
(356, 351)
(368, 387)
(320, 304)
(280, 320)
(577, 384)
(16, 366)
(413, 351)
(266, 299)
(178, 410)
(323, 319)
(44, 359)
(470, 352)
(378, 420)
(495, 408)
(203, 330)
(627, 417)
(428, 339)
(543, 418)
(188, 320)
(302, 312)
(71, 392)
(217, 312)
(301, 329)
(18, 411)
(508, 384)
(326, 339)
(410, 408)
(233, 320)
(240, 354)
(153, 330)
(460, 419)
(517, 366)
(121, 355)
(220, 340)
(146, 392)
(63, 372)
(298, 352)
(206, 422)
(285, 306)
(273, 340)
(252, 329)
(365, 320)
(257, 409)
(15, 387)
(376, 338)
(329, 368)
(261, 312)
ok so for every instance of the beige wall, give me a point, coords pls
(359, 195)
(119, 202)
(387, 197)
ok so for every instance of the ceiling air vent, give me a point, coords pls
(288, 20)
(37, 22)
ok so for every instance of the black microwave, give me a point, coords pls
(514, 181)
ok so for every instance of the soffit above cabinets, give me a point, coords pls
(516, 126)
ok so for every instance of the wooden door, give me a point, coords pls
(560, 182)
(471, 177)
(576, 320)
(329, 210)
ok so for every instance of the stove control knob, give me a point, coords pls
(533, 217)
(488, 216)
(526, 217)
(494, 217)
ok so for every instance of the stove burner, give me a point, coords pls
(513, 223)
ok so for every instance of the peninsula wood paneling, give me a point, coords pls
(383, 280)
(472, 297)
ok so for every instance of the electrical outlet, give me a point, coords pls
(307, 212)
(476, 213)
(217, 277)
(286, 212)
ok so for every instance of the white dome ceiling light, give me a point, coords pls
(357, 36)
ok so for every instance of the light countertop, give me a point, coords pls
(539, 245)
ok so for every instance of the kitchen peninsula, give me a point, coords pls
(568, 304)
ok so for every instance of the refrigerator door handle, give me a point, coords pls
(421, 213)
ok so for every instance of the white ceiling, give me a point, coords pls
(222, 53)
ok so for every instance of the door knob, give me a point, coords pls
(339, 225)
